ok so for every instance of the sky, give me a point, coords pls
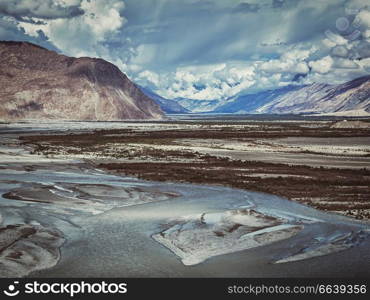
(204, 49)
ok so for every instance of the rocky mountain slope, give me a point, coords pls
(323, 98)
(350, 97)
(40, 84)
(167, 105)
(251, 102)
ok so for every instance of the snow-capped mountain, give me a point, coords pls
(251, 102)
(198, 106)
(349, 98)
(323, 98)
(352, 97)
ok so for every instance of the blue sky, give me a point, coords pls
(208, 49)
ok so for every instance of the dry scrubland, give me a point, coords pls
(311, 162)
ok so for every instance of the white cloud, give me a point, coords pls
(345, 63)
(322, 65)
(290, 66)
(81, 35)
(328, 43)
(363, 18)
(293, 60)
(150, 77)
(335, 38)
(103, 17)
(297, 54)
(205, 82)
(209, 82)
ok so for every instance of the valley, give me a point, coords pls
(308, 161)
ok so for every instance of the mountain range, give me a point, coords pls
(37, 83)
(40, 84)
(349, 98)
(250, 103)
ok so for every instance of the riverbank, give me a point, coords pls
(116, 225)
(310, 162)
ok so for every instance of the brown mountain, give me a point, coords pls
(36, 83)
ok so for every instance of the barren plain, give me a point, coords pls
(228, 197)
(308, 161)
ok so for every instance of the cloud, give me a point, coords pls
(293, 61)
(345, 63)
(209, 82)
(149, 77)
(363, 18)
(322, 65)
(83, 35)
(204, 82)
(25, 10)
(9, 31)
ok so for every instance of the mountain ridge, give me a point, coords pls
(323, 98)
(42, 84)
(315, 98)
(249, 102)
(167, 105)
